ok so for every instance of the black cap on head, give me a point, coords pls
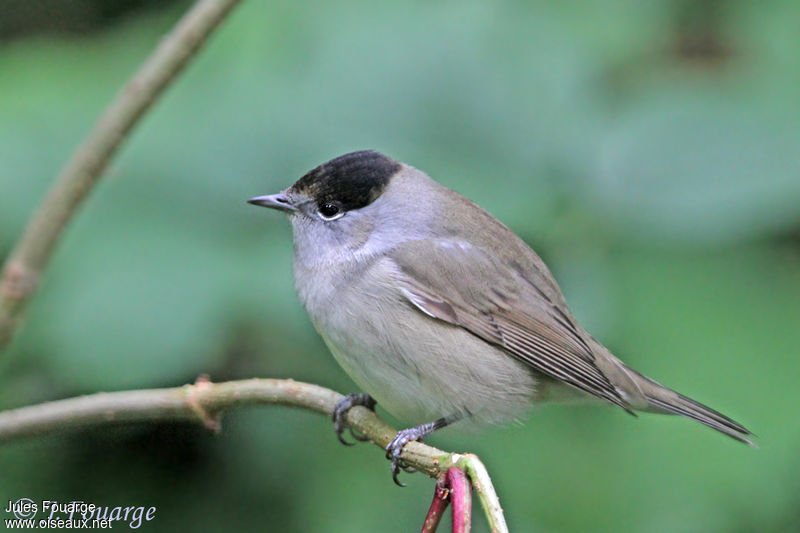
(354, 180)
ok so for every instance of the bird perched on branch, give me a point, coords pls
(439, 311)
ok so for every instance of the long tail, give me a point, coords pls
(660, 399)
(679, 404)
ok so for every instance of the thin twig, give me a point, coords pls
(483, 486)
(453, 486)
(441, 499)
(205, 402)
(461, 498)
(28, 259)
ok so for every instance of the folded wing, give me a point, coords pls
(465, 286)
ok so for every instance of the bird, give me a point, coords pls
(442, 314)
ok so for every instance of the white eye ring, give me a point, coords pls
(330, 211)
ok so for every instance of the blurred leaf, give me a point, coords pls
(692, 167)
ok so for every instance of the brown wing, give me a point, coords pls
(465, 286)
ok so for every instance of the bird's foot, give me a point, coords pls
(340, 411)
(395, 448)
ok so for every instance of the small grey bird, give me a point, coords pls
(439, 311)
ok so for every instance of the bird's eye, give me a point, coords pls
(330, 211)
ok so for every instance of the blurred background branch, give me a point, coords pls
(205, 402)
(29, 257)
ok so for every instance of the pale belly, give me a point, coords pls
(418, 368)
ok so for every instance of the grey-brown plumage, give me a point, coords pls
(439, 311)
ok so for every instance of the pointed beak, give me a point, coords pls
(273, 201)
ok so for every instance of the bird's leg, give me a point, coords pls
(344, 405)
(403, 437)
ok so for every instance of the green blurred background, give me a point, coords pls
(650, 151)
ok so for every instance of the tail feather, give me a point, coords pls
(657, 398)
(681, 405)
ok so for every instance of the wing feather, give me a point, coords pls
(501, 306)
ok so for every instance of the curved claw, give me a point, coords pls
(340, 436)
(395, 473)
(340, 411)
(395, 449)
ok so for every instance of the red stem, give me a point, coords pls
(454, 486)
(441, 498)
(461, 495)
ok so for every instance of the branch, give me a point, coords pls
(452, 485)
(441, 499)
(482, 484)
(205, 402)
(462, 499)
(29, 258)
